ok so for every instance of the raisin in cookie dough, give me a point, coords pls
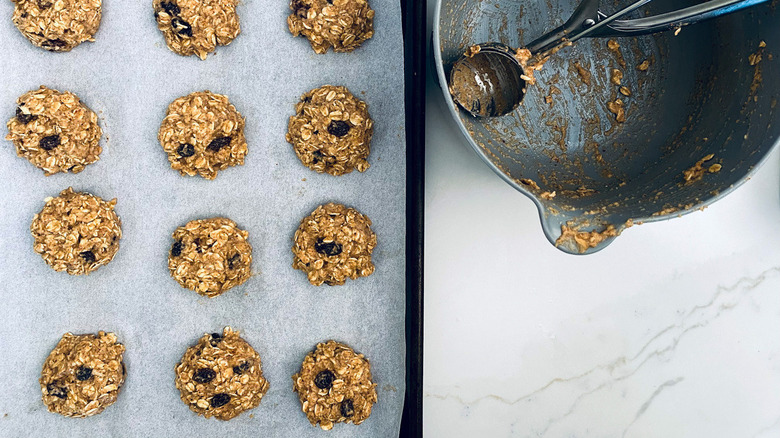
(210, 256)
(197, 27)
(334, 243)
(331, 131)
(83, 374)
(341, 24)
(76, 232)
(334, 386)
(57, 25)
(203, 133)
(55, 131)
(221, 376)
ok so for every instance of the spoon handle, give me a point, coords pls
(588, 21)
(585, 20)
(586, 10)
(676, 19)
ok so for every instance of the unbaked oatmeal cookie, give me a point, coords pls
(221, 376)
(334, 243)
(334, 386)
(331, 131)
(210, 256)
(341, 24)
(76, 232)
(55, 131)
(83, 374)
(197, 27)
(57, 25)
(203, 133)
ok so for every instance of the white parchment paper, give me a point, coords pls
(128, 76)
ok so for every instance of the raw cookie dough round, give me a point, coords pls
(210, 256)
(341, 24)
(221, 376)
(76, 232)
(203, 133)
(334, 386)
(57, 25)
(55, 131)
(197, 27)
(331, 131)
(83, 374)
(334, 243)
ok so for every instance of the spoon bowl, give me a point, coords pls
(488, 80)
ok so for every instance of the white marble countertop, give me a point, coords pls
(671, 331)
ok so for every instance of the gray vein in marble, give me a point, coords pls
(508, 401)
(724, 298)
(646, 404)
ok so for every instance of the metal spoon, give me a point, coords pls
(490, 80)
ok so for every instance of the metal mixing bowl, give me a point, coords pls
(698, 121)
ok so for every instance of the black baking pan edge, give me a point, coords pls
(414, 19)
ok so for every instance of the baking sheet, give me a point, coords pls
(128, 76)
